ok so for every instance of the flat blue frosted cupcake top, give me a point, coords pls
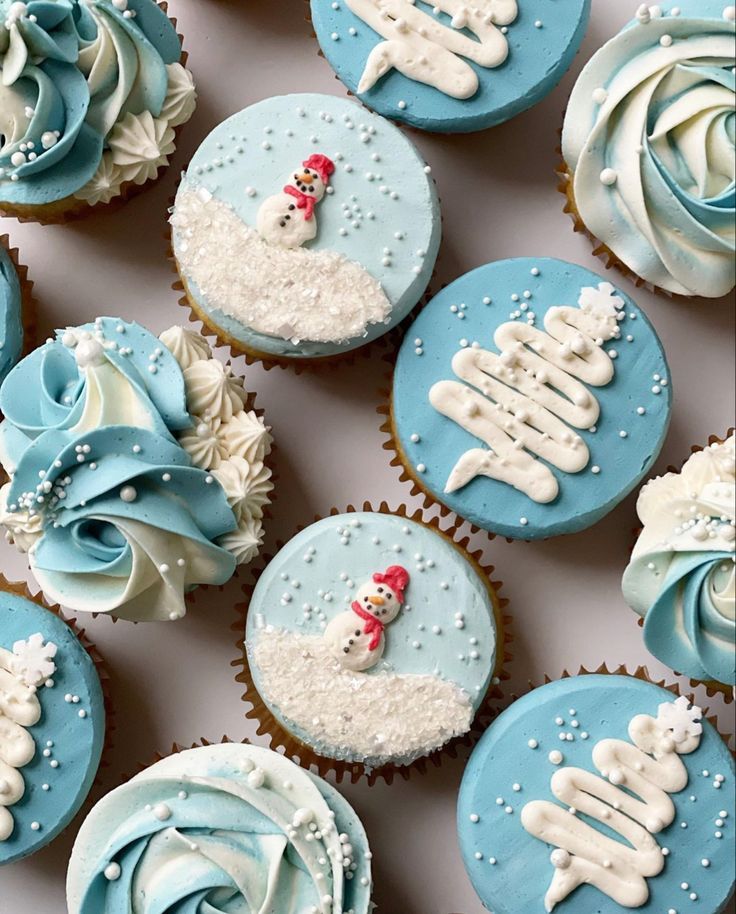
(221, 828)
(599, 794)
(372, 638)
(530, 397)
(11, 320)
(447, 66)
(52, 725)
(306, 226)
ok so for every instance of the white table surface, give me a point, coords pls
(173, 682)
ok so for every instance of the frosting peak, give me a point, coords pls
(681, 574)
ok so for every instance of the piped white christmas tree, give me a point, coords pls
(29, 665)
(650, 769)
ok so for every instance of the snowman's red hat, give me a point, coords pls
(322, 165)
(395, 577)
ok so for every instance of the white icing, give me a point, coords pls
(348, 710)
(187, 346)
(213, 391)
(105, 183)
(296, 294)
(244, 542)
(346, 634)
(21, 529)
(634, 802)
(203, 444)
(247, 486)
(29, 665)
(425, 49)
(525, 399)
(140, 145)
(181, 96)
(281, 222)
(246, 435)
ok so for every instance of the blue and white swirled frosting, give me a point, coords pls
(11, 321)
(681, 575)
(137, 468)
(226, 829)
(649, 143)
(91, 93)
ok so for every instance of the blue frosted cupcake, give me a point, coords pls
(600, 793)
(52, 724)
(303, 228)
(649, 157)
(447, 66)
(371, 641)
(680, 579)
(529, 397)
(93, 94)
(16, 307)
(228, 827)
(137, 471)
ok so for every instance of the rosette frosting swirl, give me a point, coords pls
(73, 70)
(11, 322)
(649, 143)
(114, 513)
(226, 829)
(681, 574)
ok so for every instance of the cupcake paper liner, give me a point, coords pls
(70, 209)
(281, 740)
(711, 686)
(21, 589)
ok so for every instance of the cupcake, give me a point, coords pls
(226, 827)
(600, 793)
(547, 429)
(137, 470)
(453, 68)
(371, 641)
(681, 575)
(303, 228)
(16, 307)
(52, 724)
(92, 96)
(649, 151)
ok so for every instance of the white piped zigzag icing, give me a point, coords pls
(526, 398)
(649, 770)
(28, 665)
(427, 50)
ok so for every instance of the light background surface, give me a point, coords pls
(173, 682)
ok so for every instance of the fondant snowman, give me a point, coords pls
(357, 638)
(287, 219)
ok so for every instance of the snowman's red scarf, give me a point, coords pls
(373, 626)
(302, 201)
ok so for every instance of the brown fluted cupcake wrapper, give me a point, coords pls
(712, 687)
(282, 739)
(21, 589)
(70, 209)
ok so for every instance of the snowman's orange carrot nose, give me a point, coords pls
(377, 601)
(307, 179)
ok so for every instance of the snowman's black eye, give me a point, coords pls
(307, 171)
(380, 589)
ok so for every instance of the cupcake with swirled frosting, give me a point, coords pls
(137, 468)
(681, 575)
(648, 148)
(230, 828)
(91, 98)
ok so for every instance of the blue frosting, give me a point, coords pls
(537, 60)
(88, 550)
(584, 497)
(11, 320)
(44, 52)
(603, 707)
(325, 564)
(75, 742)
(281, 132)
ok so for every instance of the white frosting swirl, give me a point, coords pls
(648, 143)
